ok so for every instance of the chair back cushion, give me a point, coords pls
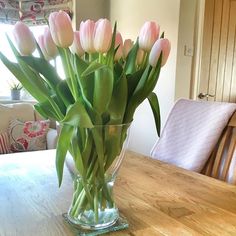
(191, 133)
(21, 111)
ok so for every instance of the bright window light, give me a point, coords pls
(6, 78)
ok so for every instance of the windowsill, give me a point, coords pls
(9, 101)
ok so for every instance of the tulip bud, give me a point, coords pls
(50, 46)
(118, 42)
(41, 43)
(161, 45)
(24, 38)
(87, 35)
(140, 57)
(102, 35)
(76, 47)
(148, 35)
(128, 44)
(61, 29)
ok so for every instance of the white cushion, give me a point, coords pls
(191, 132)
(52, 139)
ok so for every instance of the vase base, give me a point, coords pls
(120, 224)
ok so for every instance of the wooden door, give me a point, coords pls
(218, 60)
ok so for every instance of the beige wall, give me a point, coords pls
(130, 15)
(90, 9)
(185, 42)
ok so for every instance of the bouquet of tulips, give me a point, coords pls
(106, 80)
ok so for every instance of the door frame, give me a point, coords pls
(198, 39)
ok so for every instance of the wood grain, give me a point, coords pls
(218, 68)
(156, 198)
(206, 45)
(222, 157)
(230, 53)
(222, 51)
(215, 45)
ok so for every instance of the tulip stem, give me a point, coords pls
(72, 77)
(100, 58)
(90, 57)
(146, 54)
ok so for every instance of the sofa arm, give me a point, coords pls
(52, 139)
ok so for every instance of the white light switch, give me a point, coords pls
(188, 51)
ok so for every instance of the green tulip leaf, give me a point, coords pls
(80, 65)
(86, 83)
(103, 88)
(77, 116)
(39, 51)
(64, 93)
(138, 95)
(59, 103)
(62, 54)
(132, 81)
(13, 48)
(46, 110)
(152, 79)
(63, 144)
(118, 102)
(77, 153)
(111, 52)
(112, 145)
(130, 65)
(141, 84)
(35, 79)
(154, 103)
(118, 72)
(32, 76)
(43, 67)
(24, 80)
(92, 68)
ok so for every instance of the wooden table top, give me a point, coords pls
(156, 198)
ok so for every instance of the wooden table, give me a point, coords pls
(156, 198)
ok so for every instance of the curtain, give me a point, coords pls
(31, 12)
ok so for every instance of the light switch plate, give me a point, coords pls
(188, 51)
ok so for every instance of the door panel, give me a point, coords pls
(218, 60)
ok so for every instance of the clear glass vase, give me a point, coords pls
(95, 170)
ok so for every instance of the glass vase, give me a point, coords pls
(95, 170)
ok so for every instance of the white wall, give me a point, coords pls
(130, 16)
(186, 39)
(89, 9)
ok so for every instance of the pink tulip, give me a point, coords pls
(50, 46)
(24, 38)
(102, 35)
(76, 47)
(128, 44)
(161, 45)
(140, 57)
(41, 43)
(118, 42)
(148, 35)
(61, 29)
(87, 35)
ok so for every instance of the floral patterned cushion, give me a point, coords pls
(28, 136)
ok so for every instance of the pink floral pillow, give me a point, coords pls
(28, 136)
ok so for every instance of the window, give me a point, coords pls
(5, 75)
